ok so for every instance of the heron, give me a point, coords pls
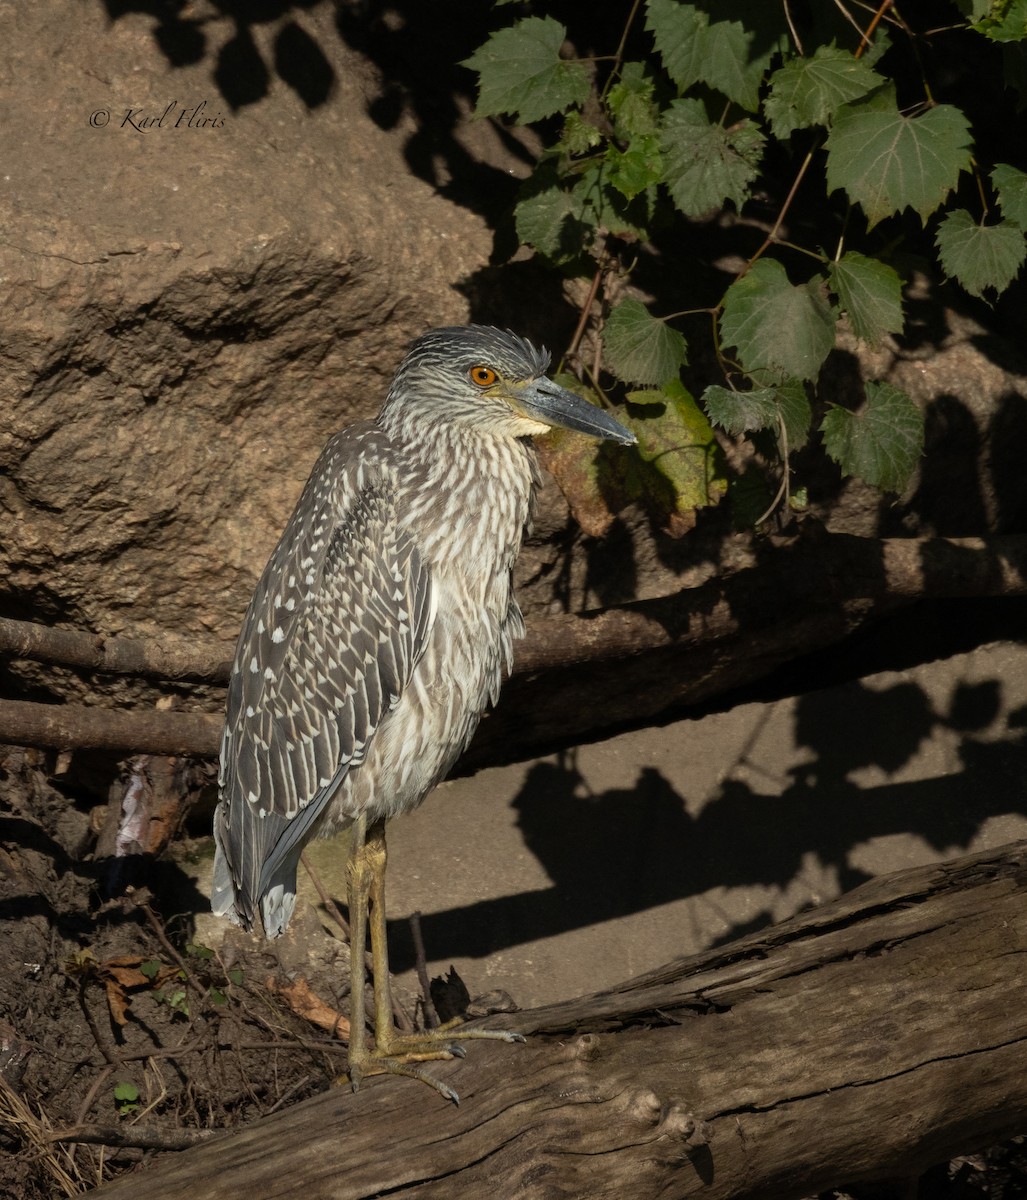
(376, 637)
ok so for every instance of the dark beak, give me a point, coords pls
(545, 401)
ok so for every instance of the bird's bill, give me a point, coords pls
(547, 402)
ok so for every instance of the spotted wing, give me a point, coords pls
(336, 625)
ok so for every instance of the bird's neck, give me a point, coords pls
(469, 496)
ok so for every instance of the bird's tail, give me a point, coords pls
(231, 897)
(225, 900)
(278, 901)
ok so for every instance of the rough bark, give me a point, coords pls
(73, 726)
(158, 658)
(873, 1037)
(622, 665)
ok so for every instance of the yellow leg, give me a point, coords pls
(357, 890)
(393, 1052)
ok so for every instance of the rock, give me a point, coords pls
(191, 312)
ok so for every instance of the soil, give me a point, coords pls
(113, 1018)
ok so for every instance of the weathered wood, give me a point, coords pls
(872, 1037)
(73, 726)
(623, 665)
(159, 658)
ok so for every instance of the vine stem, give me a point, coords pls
(864, 40)
(875, 21)
(784, 488)
(586, 308)
(771, 237)
(619, 56)
(792, 30)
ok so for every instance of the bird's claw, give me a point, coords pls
(401, 1054)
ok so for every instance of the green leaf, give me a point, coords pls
(881, 443)
(597, 204)
(882, 99)
(762, 408)
(235, 975)
(980, 256)
(870, 292)
(520, 72)
(639, 167)
(678, 465)
(178, 1001)
(779, 330)
(647, 396)
(150, 968)
(740, 412)
(640, 348)
(1006, 21)
(541, 211)
(796, 412)
(579, 136)
(728, 55)
(1011, 186)
(217, 996)
(974, 10)
(808, 91)
(630, 102)
(198, 950)
(707, 164)
(126, 1092)
(887, 162)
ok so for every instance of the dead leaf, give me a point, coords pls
(305, 1003)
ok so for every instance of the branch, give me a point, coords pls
(72, 726)
(133, 1135)
(161, 658)
(874, 1037)
(641, 659)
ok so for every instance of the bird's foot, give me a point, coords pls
(400, 1054)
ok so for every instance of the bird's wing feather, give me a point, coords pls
(336, 625)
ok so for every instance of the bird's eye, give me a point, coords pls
(483, 376)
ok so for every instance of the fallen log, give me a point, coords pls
(870, 1038)
(622, 665)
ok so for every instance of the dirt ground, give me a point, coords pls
(111, 1014)
(128, 1014)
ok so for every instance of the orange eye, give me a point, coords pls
(483, 376)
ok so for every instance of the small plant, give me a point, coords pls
(126, 1097)
(686, 130)
(125, 977)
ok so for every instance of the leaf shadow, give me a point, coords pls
(224, 33)
(613, 855)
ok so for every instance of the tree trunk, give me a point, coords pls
(870, 1038)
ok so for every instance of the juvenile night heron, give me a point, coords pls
(376, 637)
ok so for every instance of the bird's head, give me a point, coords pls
(491, 380)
